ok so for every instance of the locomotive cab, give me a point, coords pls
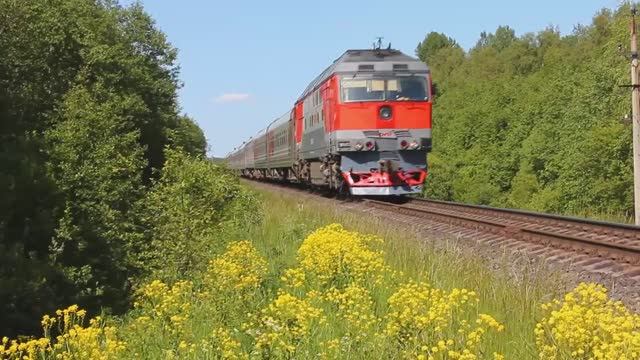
(383, 127)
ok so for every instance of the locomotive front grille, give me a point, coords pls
(387, 144)
(389, 155)
(402, 133)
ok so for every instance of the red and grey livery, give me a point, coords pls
(363, 126)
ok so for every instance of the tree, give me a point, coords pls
(189, 136)
(433, 43)
(533, 121)
(88, 100)
(500, 40)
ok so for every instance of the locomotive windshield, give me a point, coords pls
(410, 88)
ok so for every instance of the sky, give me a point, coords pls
(244, 63)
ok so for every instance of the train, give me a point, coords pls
(362, 127)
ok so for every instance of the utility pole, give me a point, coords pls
(635, 114)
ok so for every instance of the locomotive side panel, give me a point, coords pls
(329, 103)
(298, 121)
(314, 144)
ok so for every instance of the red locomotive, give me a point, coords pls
(362, 126)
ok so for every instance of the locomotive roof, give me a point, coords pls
(380, 60)
(383, 60)
(374, 55)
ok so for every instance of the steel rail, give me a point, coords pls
(574, 219)
(488, 219)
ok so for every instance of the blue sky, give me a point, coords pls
(243, 63)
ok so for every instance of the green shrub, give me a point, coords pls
(189, 208)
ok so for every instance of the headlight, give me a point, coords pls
(385, 113)
(414, 145)
(358, 146)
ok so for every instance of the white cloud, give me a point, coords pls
(231, 97)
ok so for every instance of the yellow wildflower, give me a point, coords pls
(587, 324)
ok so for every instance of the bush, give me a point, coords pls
(187, 212)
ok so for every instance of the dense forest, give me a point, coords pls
(88, 109)
(534, 121)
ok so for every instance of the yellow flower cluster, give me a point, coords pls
(293, 278)
(226, 346)
(427, 321)
(173, 312)
(171, 306)
(282, 325)
(336, 256)
(340, 301)
(339, 269)
(355, 307)
(240, 268)
(168, 311)
(220, 345)
(588, 325)
(75, 341)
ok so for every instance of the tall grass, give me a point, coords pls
(224, 310)
(513, 297)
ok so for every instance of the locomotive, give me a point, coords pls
(362, 126)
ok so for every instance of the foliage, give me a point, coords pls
(88, 95)
(97, 164)
(532, 121)
(190, 205)
(189, 136)
(432, 44)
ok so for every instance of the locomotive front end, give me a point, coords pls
(387, 162)
(383, 128)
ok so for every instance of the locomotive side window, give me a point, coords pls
(410, 88)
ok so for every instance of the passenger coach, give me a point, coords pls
(363, 126)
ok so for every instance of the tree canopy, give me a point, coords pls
(533, 121)
(88, 106)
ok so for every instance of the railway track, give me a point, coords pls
(603, 252)
(614, 247)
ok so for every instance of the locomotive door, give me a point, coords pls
(299, 121)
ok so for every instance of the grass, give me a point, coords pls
(513, 298)
(225, 312)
